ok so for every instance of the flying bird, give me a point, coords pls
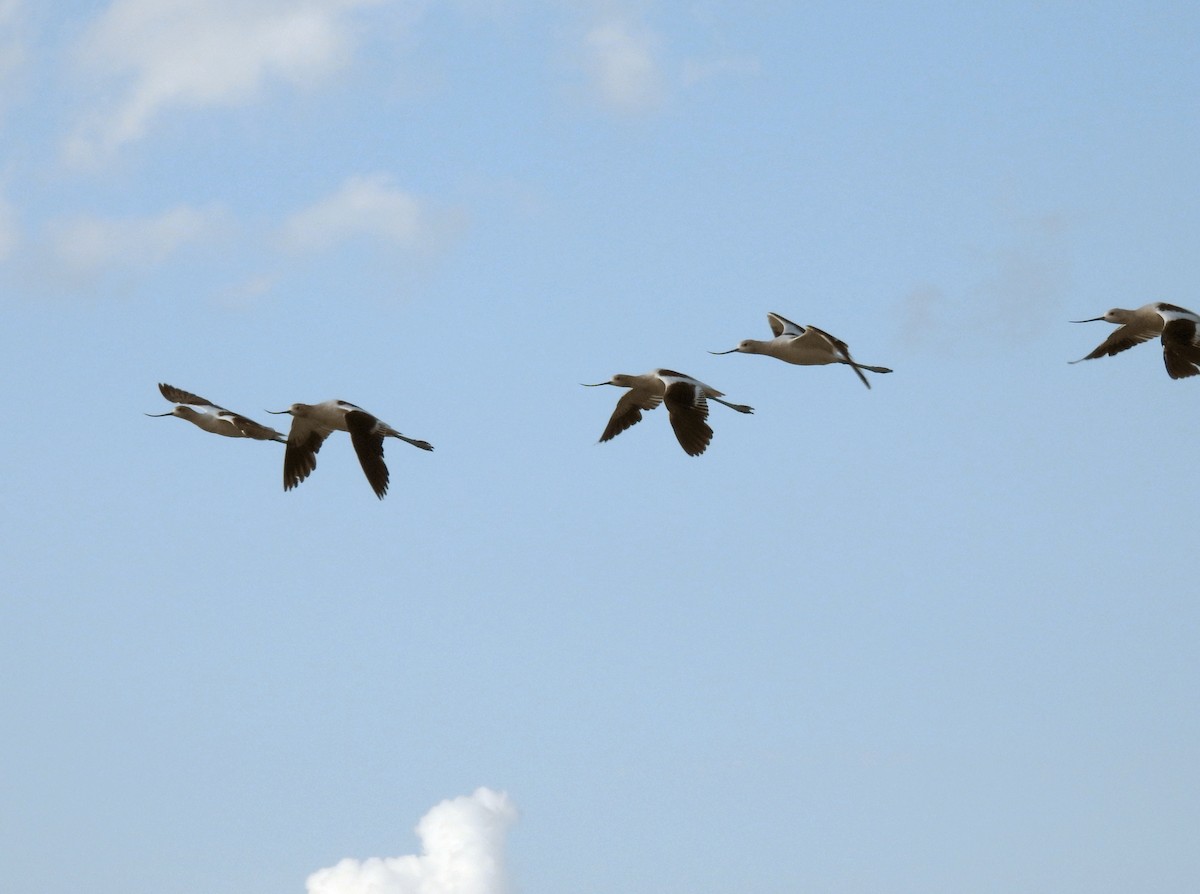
(313, 423)
(686, 400)
(1175, 325)
(803, 346)
(213, 418)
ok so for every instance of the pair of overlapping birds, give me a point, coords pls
(685, 398)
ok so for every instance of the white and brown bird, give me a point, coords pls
(1176, 326)
(313, 423)
(213, 418)
(803, 346)
(686, 400)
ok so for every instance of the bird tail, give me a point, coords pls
(741, 408)
(424, 445)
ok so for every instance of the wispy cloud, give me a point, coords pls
(620, 58)
(88, 244)
(202, 53)
(92, 255)
(1013, 289)
(629, 69)
(247, 292)
(367, 206)
(89, 252)
(462, 852)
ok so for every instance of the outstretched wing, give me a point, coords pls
(1181, 353)
(629, 411)
(179, 396)
(841, 350)
(300, 457)
(783, 326)
(689, 411)
(368, 444)
(1125, 337)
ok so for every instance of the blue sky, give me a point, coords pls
(937, 636)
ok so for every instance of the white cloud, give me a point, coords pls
(86, 244)
(462, 852)
(368, 206)
(620, 58)
(202, 53)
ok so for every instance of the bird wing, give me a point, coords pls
(1124, 338)
(629, 411)
(689, 411)
(368, 444)
(1171, 311)
(783, 326)
(300, 457)
(179, 396)
(1181, 353)
(840, 348)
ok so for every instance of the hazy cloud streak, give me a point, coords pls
(364, 206)
(620, 59)
(202, 53)
(87, 243)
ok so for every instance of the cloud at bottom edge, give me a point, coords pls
(462, 852)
